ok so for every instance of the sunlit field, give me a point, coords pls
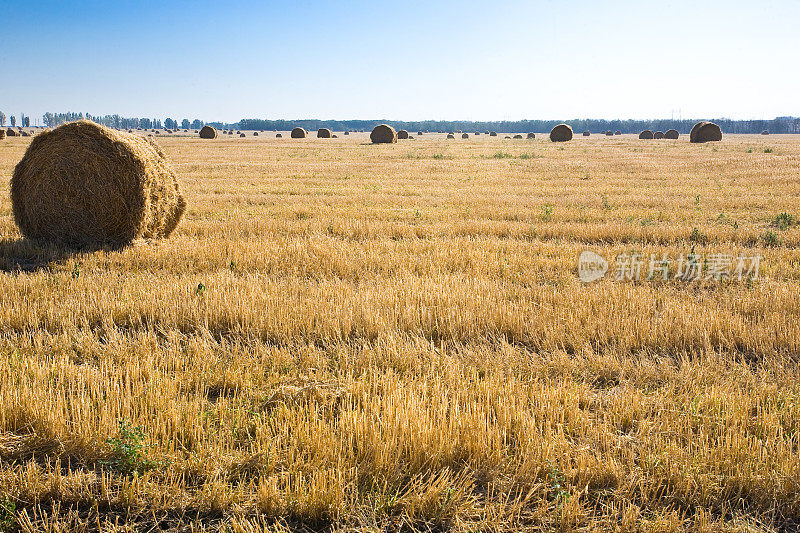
(346, 336)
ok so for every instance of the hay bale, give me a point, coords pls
(324, 133)
(531, 135)
(617, 132)
(208, 132)
(278, 136)
(2, 134)
(507, 137)
(518, 136)
(451, 136)
(477, 133)
(242, 135)
(298, 133)
(334, 136)
(646, 134)
(419, 134)
(383, 133)
(587, 133)
(402, 134)
(704, 131)
(561, 133)
(658, 135)
(86, 184)
(492, 134)
(609, 133)
(25, 134)
(671, 134)
(765, 132)
(465, 135)
(347, 133)
(11, 132)
(255, 134)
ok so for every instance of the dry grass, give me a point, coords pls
(350, 336)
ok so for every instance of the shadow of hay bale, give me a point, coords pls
(25, 255)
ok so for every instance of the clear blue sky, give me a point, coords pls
(402, 60)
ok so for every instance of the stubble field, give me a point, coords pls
(358, 337)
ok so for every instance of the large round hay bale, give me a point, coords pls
(531, 135)
(11, 132)
(451, 136)
(402, 134)
(324, 133)
(671, 134)
(561, 133)
(298, 133)
(492, 134)
(465, 135)
(86, 184)
(658, 135)
(383, 133)
(587, 133)
(646, 134)
(765, 132)
(703, 132)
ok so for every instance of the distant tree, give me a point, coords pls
(13, 121)
(26, 121)
(170, 124)
(2, 119)
(185, 124)
(197, 124)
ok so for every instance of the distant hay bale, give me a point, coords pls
(609, 133)
(334, 136)
(487, 132)
(765, 132)
(507, 137)
(324, 133)
(242, 135)
(25, 134)
(298, 133)
(402, 134)
(617, 132)
(2, 134)
(518, 136)
(492, 134)
(130, 131)
(658, 135)
(671, 134)
(86, 184)
(465, 135)
(477, 133)
(705, 132)
(603, 132)
(587, 133)
(419, 134)
(561, 133)
(11, 133)
(278, 136)
(646, 134)
(347, 133)
(208, 132)
(451, 136)
(531, 135)
(255, 134)
(383, 133)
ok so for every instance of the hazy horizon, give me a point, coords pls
(406, 62)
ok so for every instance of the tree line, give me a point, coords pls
(776, 125)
